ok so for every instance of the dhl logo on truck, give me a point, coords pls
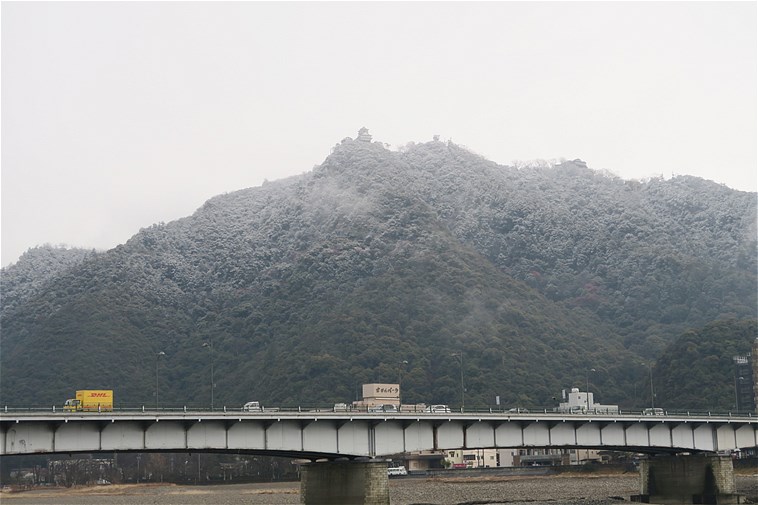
(99, 395)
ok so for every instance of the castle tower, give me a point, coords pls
(363, 135)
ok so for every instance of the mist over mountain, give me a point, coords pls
(309, 286)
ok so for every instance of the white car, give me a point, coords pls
(383, 408)
(653, 412)
(438, 409)
(397, 470)
(252, 407)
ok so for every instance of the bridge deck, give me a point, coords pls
(360, 434)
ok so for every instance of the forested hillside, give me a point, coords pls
(35, 268)
(309, 286)
(696, 371)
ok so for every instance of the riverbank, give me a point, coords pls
(566, 489)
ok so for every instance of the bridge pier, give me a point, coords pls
(344, 483)
(694, 478)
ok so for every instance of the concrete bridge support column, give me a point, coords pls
(694, 478)
(344, 483)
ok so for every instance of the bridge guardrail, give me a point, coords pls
(134, 408)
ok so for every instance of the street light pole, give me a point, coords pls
(157, 359)
(209, 345)
(400, 382)
(737, 381)
(652, 391)
(459, 355)
(588, 387)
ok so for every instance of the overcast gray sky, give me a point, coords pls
(116, 116)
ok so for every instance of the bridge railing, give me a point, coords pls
(176, 409)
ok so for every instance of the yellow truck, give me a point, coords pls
(90, 400)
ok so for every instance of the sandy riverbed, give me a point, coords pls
(563, 489)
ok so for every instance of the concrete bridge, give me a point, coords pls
(359, 438)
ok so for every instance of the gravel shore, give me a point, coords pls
(548, 490)
(564, 489)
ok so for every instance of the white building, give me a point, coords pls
(472, 458)
(583, 401)
(491, 458)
